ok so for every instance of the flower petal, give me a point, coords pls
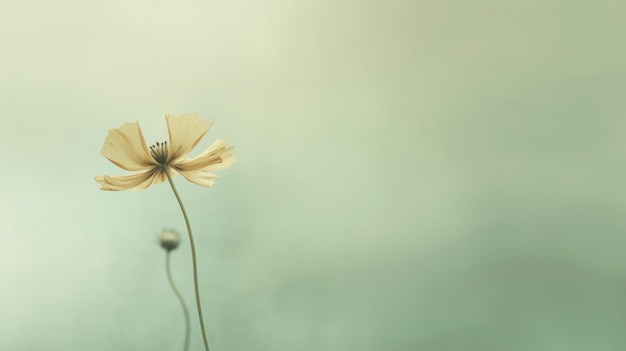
(134, 182)
(185, 132)
(203, 177)
(126, 148)
(216, 157)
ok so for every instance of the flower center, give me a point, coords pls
(159, 152)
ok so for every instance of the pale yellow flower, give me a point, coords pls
(126, 148)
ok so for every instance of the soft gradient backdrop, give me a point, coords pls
(412, 175)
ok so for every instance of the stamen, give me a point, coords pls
(159, 152)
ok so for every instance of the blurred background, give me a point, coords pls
(411, 175)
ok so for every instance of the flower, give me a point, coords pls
(126, 148)
(169, 239)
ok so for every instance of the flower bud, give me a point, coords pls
(169, 239)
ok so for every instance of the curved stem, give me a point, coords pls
(180, 298)
(193, 258)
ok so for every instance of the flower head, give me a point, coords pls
(126, 148)
(169, 239)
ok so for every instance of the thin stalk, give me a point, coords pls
(180, 298)
(193, 258)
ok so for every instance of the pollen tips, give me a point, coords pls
(160, 152)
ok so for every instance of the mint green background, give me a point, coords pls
(412, 175)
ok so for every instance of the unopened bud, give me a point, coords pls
(169, 239)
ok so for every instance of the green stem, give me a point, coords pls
(180, 298)
(193, 258)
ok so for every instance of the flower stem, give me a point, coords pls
(193, 258)
(180, 298)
